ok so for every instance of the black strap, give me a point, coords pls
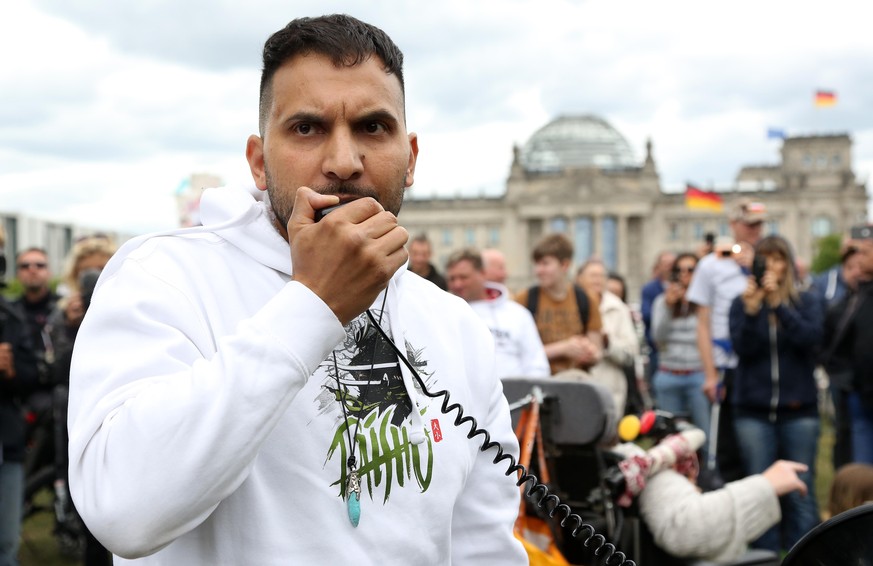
(533, 301)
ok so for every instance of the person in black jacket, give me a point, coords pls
(850, 350)
(775, 331)
(18, 377)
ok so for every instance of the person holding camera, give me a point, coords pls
(84, 264)
(678, 382)
(775, 330)
(18, 378)
(848, 355)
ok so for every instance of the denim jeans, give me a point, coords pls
(861, 423)
(11, 503)
(763, 442)
(683, 394)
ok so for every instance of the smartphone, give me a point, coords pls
(862, 232)
(759, 266)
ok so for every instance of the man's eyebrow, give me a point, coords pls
(377, 116)
(304, 117)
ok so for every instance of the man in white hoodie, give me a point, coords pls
(260, 390)
(517, 342)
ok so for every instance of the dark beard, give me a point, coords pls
(282, 202)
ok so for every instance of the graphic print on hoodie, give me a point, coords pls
(385, 455)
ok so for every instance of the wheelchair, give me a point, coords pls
(571, 425)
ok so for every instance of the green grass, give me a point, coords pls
(38, 544)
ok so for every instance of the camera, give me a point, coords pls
(759, 266)
(674, 275)
(862, 232)
(87, 282)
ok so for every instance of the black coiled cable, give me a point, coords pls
(547, 500)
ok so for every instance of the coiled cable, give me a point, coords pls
(546, 500)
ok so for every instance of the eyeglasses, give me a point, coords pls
(36, 264)
(685, 270)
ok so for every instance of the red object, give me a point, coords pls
(435, 428)
(647, 421)
(702, 200)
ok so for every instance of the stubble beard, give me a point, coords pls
(282, 198)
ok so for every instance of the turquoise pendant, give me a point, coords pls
(353, 498)
(354, 506)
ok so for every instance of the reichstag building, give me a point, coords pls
(578, 175)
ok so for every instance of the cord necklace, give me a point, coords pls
(353, 486)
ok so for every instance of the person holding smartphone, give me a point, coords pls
(679, 379)
(775, 331)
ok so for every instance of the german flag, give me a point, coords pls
(825, 98)
(697, 199)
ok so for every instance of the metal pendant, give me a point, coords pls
(353, 498)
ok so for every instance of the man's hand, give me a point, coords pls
(581, 350)
(782, 475)
(7, 361)
(348, 257)
(710, 387)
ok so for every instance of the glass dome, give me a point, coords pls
(574, 142)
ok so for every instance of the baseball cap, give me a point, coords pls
(749, 211)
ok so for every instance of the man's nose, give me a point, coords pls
(343, 158)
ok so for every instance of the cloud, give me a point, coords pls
(142, 94)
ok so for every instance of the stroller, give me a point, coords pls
(571, 426)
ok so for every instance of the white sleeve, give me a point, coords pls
(701, 290)
(486, 509)
(534, 360)
(157, 400)
(661, 319)
(716, 525)
(623, 341)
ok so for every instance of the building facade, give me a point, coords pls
(577, 175)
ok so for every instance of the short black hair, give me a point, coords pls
(347, 41)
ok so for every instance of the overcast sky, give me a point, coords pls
(107, 106)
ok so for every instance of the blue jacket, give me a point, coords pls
(798, 333)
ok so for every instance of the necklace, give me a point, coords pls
(353, 486)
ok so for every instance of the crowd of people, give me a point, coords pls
(732, 325)
(228, 408)
(40, 328)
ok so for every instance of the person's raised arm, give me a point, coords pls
(704, 346)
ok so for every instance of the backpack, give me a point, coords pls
(533, 300)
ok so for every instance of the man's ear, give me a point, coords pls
(413, 157)
(255, 157)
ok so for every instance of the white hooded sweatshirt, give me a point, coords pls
(518, 348)
(205, 418)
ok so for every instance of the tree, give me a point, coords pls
(828, 253)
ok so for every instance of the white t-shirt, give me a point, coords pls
(518, 348)
(716, 283)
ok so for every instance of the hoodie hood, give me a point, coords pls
(243, 217)
(496, 293)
